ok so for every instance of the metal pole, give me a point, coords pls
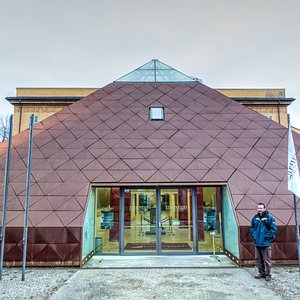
(212, 233)
(158, 224)
(296, 212)
(121, 220)
(25, 234)
(297, 229)
(7, 169)
(194, 219)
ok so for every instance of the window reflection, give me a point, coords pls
(143, 223)
(107, 220)
(176, 220)
(209, 219)
(140, 220)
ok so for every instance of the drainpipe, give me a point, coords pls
(20, 119)
(278, 112)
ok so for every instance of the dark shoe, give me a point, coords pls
(259, 276)
(268, 278)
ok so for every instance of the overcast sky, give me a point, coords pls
(226, 43)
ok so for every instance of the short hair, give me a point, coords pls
(261, 204)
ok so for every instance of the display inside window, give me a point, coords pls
(107, 219)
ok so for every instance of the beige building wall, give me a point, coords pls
(296, 129)
(44, 108)
(253, 93)
(54, 92)
(23, 112)
(275, 110)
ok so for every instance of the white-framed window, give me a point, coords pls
(156, 113)
(35, 119)
(270, 117)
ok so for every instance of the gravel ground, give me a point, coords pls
(72, 283)
(285, 281)
(40, 283)
(163, 284)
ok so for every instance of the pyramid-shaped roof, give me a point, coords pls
(156, 71)
(107, 138)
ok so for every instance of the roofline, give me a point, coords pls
(262, 99)
(197, 80)
(42, 98)
(251, 88)
(72, 98)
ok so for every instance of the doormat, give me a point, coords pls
(152, 246)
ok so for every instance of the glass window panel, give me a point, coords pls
(88, 227)
(156, 71)
(156, 113)
(230, 225)
(209, 221)
(107, 220)
(140, 220)
(176, 220)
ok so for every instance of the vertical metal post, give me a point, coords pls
(296, 213)
(158, 224)
(121, 220)
(213, 243)
(25, 234)
(194, 219)
(7, 169)
(297, 229)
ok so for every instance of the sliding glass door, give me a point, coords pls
(140, 226)
(176, 225)
(158, 220)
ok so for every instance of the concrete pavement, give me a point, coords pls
(163, 277)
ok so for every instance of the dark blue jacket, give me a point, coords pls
(263, 229)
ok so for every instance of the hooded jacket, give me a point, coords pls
(263, 229)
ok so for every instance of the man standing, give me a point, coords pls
(263, 229)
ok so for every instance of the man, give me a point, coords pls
(263, 229)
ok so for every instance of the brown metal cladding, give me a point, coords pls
(53, 246)
(107, 138)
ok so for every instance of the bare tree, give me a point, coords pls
(4, 127)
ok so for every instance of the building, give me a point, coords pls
(153, 163)
(43, 102)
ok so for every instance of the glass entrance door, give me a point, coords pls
(140, 226)
(176, 211)
(155, 220)
(158, 220)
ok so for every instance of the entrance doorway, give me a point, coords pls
(157, 220)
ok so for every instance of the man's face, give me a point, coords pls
(261, 209)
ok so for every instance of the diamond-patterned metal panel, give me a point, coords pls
(107, 138)
(284, 247)
(59, 246)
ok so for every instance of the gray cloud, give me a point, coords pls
(91, 43)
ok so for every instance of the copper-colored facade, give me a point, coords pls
(107, 138)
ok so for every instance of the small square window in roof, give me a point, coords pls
(157, 113)
(156, 71)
